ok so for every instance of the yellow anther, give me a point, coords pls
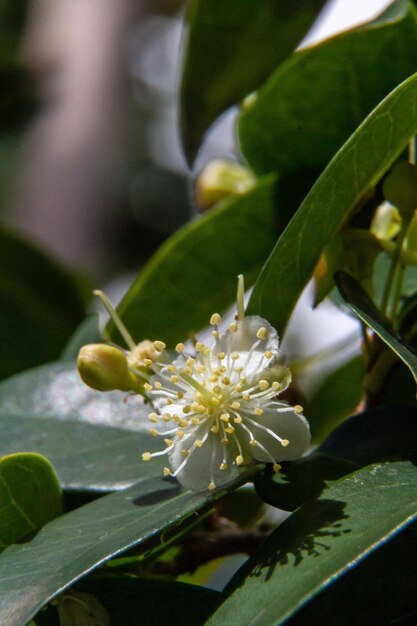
(263, 384)
(199, 346)
(199, 443)
(259, 411)
(157, 385)
(167, 471)
(225, 417)
(233, 327)
(223, 466)
(168, 442)
(190, 361)
(147, 362)
(246, 396)
(298, 408)
(262, 333)
(180, 433)
(185, 453)
(174, 378)
(235, 405)
(166, 417)
(239, 459)
(213, 379)
(268, 354)
(170, 401)
(159, 346)
(201, 369)
(147, 387)
(215, 333)
(180, 347)
(215, 429)
(230, 430)
(171, 368)
(212, 486)
(284, 442)
(222, 369)
(225, 380)
(276, 467)
(187, 370)
(239, 388)
(146, 456)
(195, 421)
(276, 386)
(253, 443)
(221, 356)
(153, 417)
(180, 395)
(153, 432)
(183, 422)
(237, 420)
(234, 356)
(186, 409)
(175, 419)
(215, 401)
(215, 319)
(224, 441)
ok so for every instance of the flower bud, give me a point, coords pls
(220, 179)
(105, 368)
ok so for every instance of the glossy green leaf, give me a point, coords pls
(195, 272)
(317, 98)
(355, 170)
(93, 439)
(318, 543)
(30, 495)
(77, 542)
(360, 303)
(336, 398)
(221, 65)
(356, 597)
(40, 306)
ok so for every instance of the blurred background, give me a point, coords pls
(91, 166)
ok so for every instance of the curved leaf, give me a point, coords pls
(30, 495)
(318, 97)
(221, 65)
(318, 543)
(74, 544)
(355, 169)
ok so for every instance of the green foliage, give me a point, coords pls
(30, 495)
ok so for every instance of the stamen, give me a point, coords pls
(180, 347)
(262, 333)
(159, 346)
(240, 297)
(215, 319)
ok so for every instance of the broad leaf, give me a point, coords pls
(74, 544)
(321, 541)
(355, 170)
(317, 98)
(364, 308)
(93, 439)
(194, 273)
(30, 495)
(41, 306)
(220, 66)
(87, 332)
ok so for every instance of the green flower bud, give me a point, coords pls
(220, 179)
(105, 368)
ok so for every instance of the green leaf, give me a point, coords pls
(30, 495)
(41, 306)
(195, 272)
(87, 332)
(318, 543)
(318, 97)
(74, 544)
(360, 303)
(93, 439)
(356, 597)
(221, 64)
(336, 398)
(355, 170)
(380, 435)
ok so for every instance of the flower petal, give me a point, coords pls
(243, 340)
(203, 464)
(282, 420)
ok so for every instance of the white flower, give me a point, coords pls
(218, 410)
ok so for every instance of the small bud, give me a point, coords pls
(220, 179)
(105, 368)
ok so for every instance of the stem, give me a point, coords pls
(393, 268)
(116, 319)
